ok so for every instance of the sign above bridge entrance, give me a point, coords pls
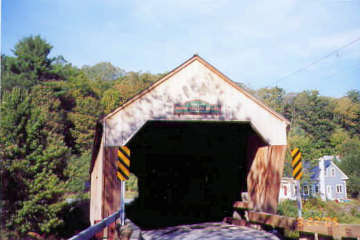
(195, 107)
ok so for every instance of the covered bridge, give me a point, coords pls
(197, 141)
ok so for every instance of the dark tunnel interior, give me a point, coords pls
(188, 171)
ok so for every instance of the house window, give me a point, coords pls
(306, 190)
(333, 172)
(339, 188)
(316, 188)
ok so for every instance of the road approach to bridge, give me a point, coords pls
(210, 231)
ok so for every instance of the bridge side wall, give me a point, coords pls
(266, 168)
(112, 184)
(112, 187)
(96, 188)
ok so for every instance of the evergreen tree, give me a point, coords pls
(350, 164)
(272, 97)
(30, 66)
(34, 156)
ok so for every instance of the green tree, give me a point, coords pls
(30, 65)
(273, 97)
(338, 137)
(84, 116)
(347, 114)
(350, 164)
(34, 155)
(103, 71)
(314, 114)
(77, 171)
(354, 95)
(111, 99)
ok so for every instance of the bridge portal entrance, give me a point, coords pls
(197, 140)
(188, 171)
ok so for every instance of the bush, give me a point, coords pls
(287, 208)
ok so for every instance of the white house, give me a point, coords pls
(287, 189)
(327, 180)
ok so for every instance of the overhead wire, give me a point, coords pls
(336, 51)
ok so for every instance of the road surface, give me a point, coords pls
(210, 231)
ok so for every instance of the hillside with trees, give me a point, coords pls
(49, 109)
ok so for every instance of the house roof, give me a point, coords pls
(327, 163)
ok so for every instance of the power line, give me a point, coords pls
(336, 51)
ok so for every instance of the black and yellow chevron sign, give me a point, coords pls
(296, 164)
(123, 163)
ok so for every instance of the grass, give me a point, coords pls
(348, 212)
(131, 195)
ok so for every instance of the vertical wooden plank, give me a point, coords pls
(256, 159)
(96, 188)
(256, 178)
(112, 187)
(265, 172)
(274, 173)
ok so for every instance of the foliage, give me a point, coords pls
(320, 126)
(111, 99)
(77, 171)
(30, 66)
(273, 97)
(103, 71)
(347, 114)
(34, 155)
(315, 208)
(287, 208)
(132, 184)
(354, 95)
(350, 164)
(49, 111)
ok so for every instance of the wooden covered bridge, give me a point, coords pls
(197, 141)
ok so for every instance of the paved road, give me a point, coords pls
(211, 231)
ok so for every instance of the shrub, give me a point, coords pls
(287, 208)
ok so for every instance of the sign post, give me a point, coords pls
(297, 174)
(123, 173)
(123, 202)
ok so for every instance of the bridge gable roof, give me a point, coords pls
(194, 80)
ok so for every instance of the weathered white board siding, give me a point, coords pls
(96, 188)
(195, 81)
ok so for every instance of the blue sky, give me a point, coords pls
(255, 42)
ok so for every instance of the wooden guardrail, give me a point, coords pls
(92, 230)
(328, 228)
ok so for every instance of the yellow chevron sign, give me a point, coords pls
(123, 163)
(296, 164)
